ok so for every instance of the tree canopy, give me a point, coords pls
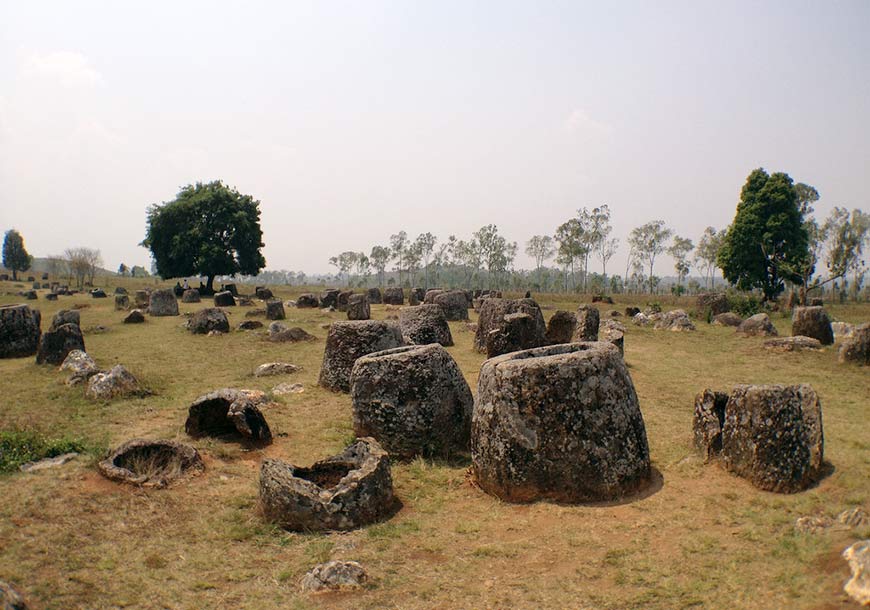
(209, 229)
(767, 240)
(15, 256)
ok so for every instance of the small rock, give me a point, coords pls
(250, 325)
(858, 587)
(812, 525)
(116, 382)
(334, 575)
(80, 365)
(283, 389)
(134, 317)
(793, 344)
(10, 599)
(856, 517)
(47, 463)
(276, 368)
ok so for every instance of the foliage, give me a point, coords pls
(208, 229)
(743, 304)
(647, 242)
(707, 252)
(680, 250)
(767, 241)
(15, 256)
(82, 264)
(18, 447)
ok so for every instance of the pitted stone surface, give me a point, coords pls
(374, 296)
(162, 303)
(708, 422)
(757, 325)
(275, 309)
(54, 345)
(223, 299)
(227, 412)
(858, 586)
(492, 313)
(561, 327)
(454, 303)
(350, 340)
(857, 347)
(80, 365)
(588, 320)
(342, 492)
(394, 296)
(812, 322)
(191, 295)
(413, 400)
(334, 576)
(19, 331)
(561, 423)
(425, 324)
(117, 381)
(728, 318)
(358, 307)
(307, 301)
(65, 316)
(792, 344)
(206, 320)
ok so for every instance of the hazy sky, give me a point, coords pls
(350, 121)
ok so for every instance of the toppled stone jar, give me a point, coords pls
(413, 400)
(770, 435)
(560, 423)
(229, 412)
(342, 492)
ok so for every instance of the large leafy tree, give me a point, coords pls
(209, 229)
(767, 241)
(15, 256)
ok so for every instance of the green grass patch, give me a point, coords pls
(18, 447)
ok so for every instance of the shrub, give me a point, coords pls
(744, 305)
(18, 447)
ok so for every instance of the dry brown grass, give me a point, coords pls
(705, 539)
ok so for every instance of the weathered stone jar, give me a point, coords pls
(350, 340)
(413, 400)
(342, 492)
(19, 331)
(560, 423)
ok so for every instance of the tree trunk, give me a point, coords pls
(14, 275)
(209, 284)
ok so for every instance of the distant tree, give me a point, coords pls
(83, 264)
(680, 249)
(707, 252)
(425, 244)
(495, 252)
(600, 242)
(208, 229)
(571, 248)
(846, 236)
(767, 242)
(363, 268)
(540, 248)
(138, 271)
(15, 256)
(399, 246)
(379, 258)
(344, 262)
(122, 269)
(648, 241)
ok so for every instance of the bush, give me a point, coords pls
(18, 447)
(744, 305)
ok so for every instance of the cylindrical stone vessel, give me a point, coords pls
(350, 340)
(413, 400)
(561, 423)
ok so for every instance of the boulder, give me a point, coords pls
(263, 293)
(329, 298)
(307, 300)
(358, 307)
(10, 599)
(342, 492)
(429, 295)
(394, 296)
(282, 389)
(19, 331)
(81, 367)
(122, 302)
(812, 322)
(416, 296)
(857, 347)
(613, 332)
(757, 325)
(224, 299)
(206, 320)
(792, 344)
(55, 345)
(561, 327)
(114, 383)
(561, 423)
(30, 295)
(65, 316)
(350, 340)
(492, 313)
(517, 332)
(136, 316)
(120, 290)
(772, 436)
(162, 303)
(729, 318)
(374, 296)
(858, 586)
(334, 576)
(342, 300)
(151, 463)
(676, 320)
(601, 298)
(279, 333)
(191, 295)
(425, 324)
(97, 293)
(588, 320)
(276, 368)
(229, 413)
(250, 325)
(51, 296)
(275, 310)
(842, 330)
(256, 313)
(142, 299)
(454, 303)
(413, 400)
(711, 304)
(632, 311)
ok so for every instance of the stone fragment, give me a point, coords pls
(729, 318)
(276, 368)
(812, 322)
(858, 586)
(114, 383)
(207, 320)
(280, 333)
(191, 295)
(757, 325)
(588, 320)
(250, 325)
(792, 344)
(857, 347)
(334, 576)
(307, 300)
(136, 316)
(561, 327)
(81, 367)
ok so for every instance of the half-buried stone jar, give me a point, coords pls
(342, 492)
(561, 423)
(413, 400)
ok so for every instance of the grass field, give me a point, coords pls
(703, 539)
